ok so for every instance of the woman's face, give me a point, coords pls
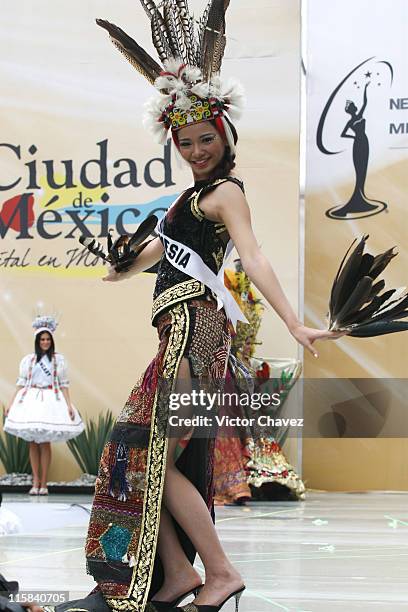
(45, 341)
(202, 147)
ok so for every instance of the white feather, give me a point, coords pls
(201, 90)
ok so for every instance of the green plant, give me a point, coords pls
(14, 453)
(88, 446)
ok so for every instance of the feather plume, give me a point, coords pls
(213, 42)
(180, 32)
(149, 7)
(170, 19)
(379, 328)
(346, 278)
(159, 37)
(381, 262)
(193, 47)
(356, 303)
(94, 247)
(133, 52)
(202, 23)
(186, 20)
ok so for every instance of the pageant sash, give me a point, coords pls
(188, 261)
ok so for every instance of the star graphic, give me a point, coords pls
(367, 75)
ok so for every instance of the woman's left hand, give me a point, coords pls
(306, 336)
(71, 413)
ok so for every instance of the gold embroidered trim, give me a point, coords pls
(156, 468)
(218, 258)
(186, 289)
(195, 208)
(220, 227)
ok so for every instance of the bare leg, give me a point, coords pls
(179, 574)
(188, 508)
(45, 452)
(34, 450)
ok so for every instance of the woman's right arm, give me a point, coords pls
(21, 380)
(7, 409)
(150, 255)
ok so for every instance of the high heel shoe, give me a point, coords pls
(192, 607)
(163, 606)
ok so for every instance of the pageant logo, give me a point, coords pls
(345, 111)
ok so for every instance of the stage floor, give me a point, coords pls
(333, 552)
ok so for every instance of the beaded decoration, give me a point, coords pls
(54, 381)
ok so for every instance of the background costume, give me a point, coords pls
(39, 412)
(249, 462)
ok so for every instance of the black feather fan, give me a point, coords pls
(356, 303)
(123, 252)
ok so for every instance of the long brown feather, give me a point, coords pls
(185, 19)
(213, 44)
(170, 21)
(159, 37)
(202, 23)
(193, 47)
(149, 7)
(134, 53)
(180, 32)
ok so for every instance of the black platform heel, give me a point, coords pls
(164, 606)
(192, 607)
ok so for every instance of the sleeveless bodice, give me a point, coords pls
(207, 238)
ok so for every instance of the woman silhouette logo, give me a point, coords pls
(359, 205)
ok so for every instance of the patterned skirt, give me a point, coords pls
(124, 523)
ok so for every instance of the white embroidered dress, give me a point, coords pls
(39, 412)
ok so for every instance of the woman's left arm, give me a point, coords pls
(64, 384)
(233, 209)
(65, 393)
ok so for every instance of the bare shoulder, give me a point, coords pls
(227, 193)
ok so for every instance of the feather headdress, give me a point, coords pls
(189, 85)
(44, 323)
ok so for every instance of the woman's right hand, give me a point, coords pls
(6, 410)
(114, 276)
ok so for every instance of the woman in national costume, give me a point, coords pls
(152, 514)
(249, 462)
(40, 410)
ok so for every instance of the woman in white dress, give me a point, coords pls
(40, 410)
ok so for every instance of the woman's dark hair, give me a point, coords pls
(222, 169)
(38, 350)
